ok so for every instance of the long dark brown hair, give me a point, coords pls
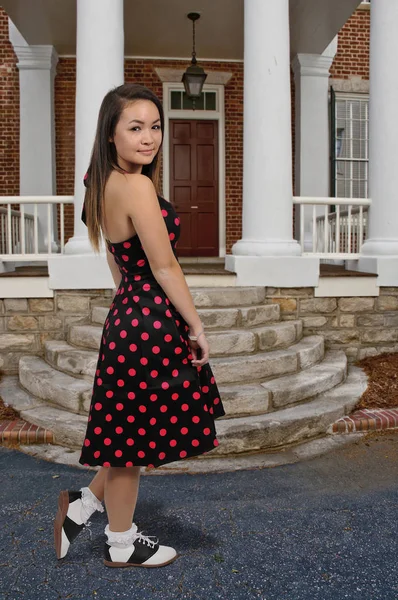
(104, 157)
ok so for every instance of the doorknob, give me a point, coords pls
(194, 207)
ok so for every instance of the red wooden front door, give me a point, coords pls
(194, 185)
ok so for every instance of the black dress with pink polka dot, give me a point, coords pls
(150, 405)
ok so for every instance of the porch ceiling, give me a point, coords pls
(152, 30)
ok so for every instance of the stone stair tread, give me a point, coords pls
(243, 339)
(207, 464)
(316, 406)
(69, 359)
(256, 328)
(16, 397)
(251, 399)
(97, 329)
(244, 399)
(47, 383)
(310, 382)
(235, 371)
(269, 364)
(256, 433)
(291, 424)
(68, 428)
(218, 316)
(85, 336)
(303, 344)
(230, 296)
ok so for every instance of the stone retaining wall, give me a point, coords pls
(361, 326)
(26, 324)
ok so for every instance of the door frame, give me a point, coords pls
(196, 115)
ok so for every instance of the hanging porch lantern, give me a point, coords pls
(194, 77)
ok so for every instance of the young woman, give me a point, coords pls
(154, 396)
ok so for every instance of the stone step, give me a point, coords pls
(228, 296)
(237, 436)
(260, 460)
(289, 425)
(218, 318)
(71, 360)
(245, 367)
(268, 365)
(308, 383)
(222, 343)
(16, 397)
(256, 399)
(43, 381)
(68, 428)
(255, 368)
(265, 337)
(239, 400)
(85, 336)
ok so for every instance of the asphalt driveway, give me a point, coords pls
(322, 529)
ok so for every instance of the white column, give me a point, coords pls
(99, 67)
(312, 132)
(382, 243)
(37, 68)
(267, 253)
(383, 131)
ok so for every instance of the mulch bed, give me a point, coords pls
(382, 372)
(6, 412)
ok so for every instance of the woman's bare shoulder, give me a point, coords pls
(123, 184)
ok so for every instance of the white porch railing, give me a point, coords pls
(338, 234)
(21, 231)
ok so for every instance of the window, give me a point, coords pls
(350, 145)
(180, 101)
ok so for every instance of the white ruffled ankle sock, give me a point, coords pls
(121, 539)
(90, 504)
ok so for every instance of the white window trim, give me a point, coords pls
(215, 115)
(355, 97)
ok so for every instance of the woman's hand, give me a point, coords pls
(199, 348)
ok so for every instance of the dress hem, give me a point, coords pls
(140, 463)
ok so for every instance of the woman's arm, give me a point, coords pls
(116, 274)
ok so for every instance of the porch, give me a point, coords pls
(268, 253)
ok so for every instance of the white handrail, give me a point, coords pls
(22, 234)
(329, 201)
(339, 234)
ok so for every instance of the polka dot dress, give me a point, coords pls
(150, 405)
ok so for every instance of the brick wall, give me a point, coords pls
(352, 56)
(64, 93)
(9, 113)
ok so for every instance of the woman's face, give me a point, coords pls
(137, 135)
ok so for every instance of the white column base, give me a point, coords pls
(79, 272)
(385, 267)
(266, 248)
(78, 245)
(275, 271)
(383, 247)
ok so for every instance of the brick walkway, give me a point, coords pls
(368, 419)
(18, 431)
